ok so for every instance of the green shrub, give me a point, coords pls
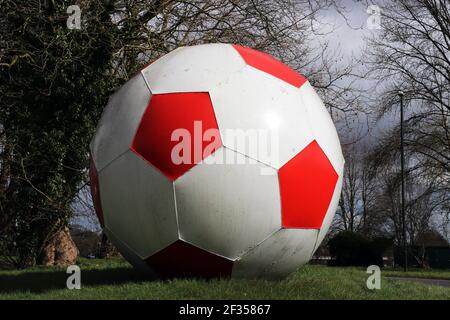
(352, 249)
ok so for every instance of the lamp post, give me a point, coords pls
(402, 169)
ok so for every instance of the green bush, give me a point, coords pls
(352, 249)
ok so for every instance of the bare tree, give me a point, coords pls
(358, 198)
(412, 53)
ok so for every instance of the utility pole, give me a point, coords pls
(402, 169)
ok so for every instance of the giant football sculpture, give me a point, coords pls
(181, 191)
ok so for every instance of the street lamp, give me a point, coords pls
(402, 169)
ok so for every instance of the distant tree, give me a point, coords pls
(355, 212)
(422, 203)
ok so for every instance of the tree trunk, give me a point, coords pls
(5, 166)
(107, 250)
(60, 250)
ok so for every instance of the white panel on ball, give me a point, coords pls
(120, 119)
(193, 69)
(329, 216)
(277, 256)
(128, 254)
(254, 102)
(138, 204)
(323, 129)
(228, 208)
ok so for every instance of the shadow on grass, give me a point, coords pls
(44, 280)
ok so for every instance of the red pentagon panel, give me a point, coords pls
(191, 115)
(95, 191)
(181, 259)
(265, 62)
(307, 184)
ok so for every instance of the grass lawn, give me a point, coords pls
(418, 273)
(115, 279)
